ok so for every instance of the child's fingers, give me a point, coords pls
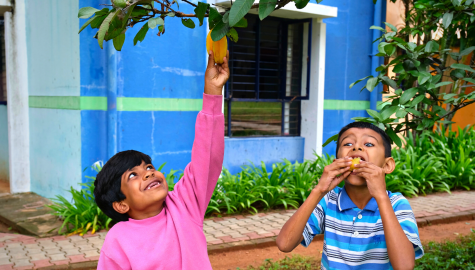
(340, 171)
(225, 62)
(210, 60)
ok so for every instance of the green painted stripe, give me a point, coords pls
(159, 104)
(68, 102)
(351, 105)
(347, 105)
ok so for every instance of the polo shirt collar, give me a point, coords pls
(345, 203)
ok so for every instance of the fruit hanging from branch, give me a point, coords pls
(114, 20)
(219, 47)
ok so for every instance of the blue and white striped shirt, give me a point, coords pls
(354, 238)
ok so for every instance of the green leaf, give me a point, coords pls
(301, 3)
(388, 111)
(414, 112)
(267, 6)
(399, 68)
(219, 31)
(417, 100)
(358, 81)
(172, 14)
(463, 67)
(214, 17)
(238, 10)
(105, 26)
(457, 2)
(389, 82)
(408, 95)
(472, 19)
(141, 34)
(233, 35)
(392, 27)
(442, 84)
(470, 80)
(447, 19)
(119, 42)
(423, 77)
(188, 23)
(374, 114)
(411, 46)
(226, 17)
(371, 84)
(97, 21)
(394, 137)
(86, 24)
(119, 3)
(153, 22)
(401, 113)
(86, 12)
(378, 28)
(242, 23)
(381, 47)
(389, 50)
(432, 46)
(467, 51)
(200, 11)
(331, 139)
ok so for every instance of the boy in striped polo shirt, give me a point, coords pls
(364, 225)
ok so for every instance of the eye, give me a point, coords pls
(132, 175)
(149, 167)
(348, 144)
(369, 144)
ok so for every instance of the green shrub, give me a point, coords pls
(458, 254)
(296, 262)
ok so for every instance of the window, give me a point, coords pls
(3, 72)
(269, 77)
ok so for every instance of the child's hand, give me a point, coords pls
(216, 75)
(375, 178)
(333, 174)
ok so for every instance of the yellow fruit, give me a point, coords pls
(354, 162)
(219, 48)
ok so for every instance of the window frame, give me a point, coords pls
(283, 97)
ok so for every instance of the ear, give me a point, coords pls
(389, 165)
(121, 207)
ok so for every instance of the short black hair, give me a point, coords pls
(108, 180)
(386, 140)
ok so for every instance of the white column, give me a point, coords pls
(312, 109)
(17, 98)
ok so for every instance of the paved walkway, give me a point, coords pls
(26, 252)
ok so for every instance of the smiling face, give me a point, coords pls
(145, 190)
(366, 144)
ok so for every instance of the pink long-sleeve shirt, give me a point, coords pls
(174, 238)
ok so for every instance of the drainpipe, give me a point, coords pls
(378, 17)
(111, 100)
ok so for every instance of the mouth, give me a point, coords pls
(156, 183)
(358, 156)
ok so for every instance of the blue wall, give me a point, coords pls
(240, 152)
(4, 171)
(348, 58)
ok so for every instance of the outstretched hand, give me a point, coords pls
(216, 75)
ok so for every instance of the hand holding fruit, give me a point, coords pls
(217, 72)
(375, 178)
(333, 174)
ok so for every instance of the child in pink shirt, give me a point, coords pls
(158, 229)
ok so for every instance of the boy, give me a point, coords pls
(158, 229)
(364, 226)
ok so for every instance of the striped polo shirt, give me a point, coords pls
(354, 238)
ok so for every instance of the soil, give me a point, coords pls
(244, 258)
(6, 229)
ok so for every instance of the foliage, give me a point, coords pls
(295, 262)
(428, 88)
(82, 213)
(450, 255)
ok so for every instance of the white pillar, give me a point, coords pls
(17, 98)
(312, 109)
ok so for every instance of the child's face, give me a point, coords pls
(366, 144)
(145, 190)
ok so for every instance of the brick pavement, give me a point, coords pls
(239, 231)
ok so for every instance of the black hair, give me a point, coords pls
(384, 136)
(108, 180)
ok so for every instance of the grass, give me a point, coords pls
(295, 262)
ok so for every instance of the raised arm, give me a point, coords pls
(200, 177)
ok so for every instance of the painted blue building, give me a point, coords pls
(69, 103)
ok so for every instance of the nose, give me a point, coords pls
(357, 147)
(148, 175)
